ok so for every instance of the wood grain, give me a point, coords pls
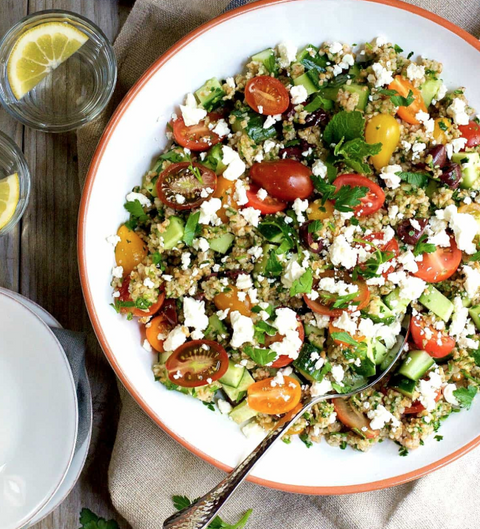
(39, 259)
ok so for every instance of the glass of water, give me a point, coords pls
(71, 94)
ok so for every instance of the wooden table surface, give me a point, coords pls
(39, 258)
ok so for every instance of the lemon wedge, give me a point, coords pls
(39, 51)
(9, 196)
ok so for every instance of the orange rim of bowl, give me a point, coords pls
(102, 145)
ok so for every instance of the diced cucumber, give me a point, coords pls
(470, 163)
(214, 159)
(404, 385)
(216, 328)
(416, 364)
(264, 56)
(380, 351)
(319, 102)
(367, 367)
(242, 413)
(363, 92)
(429, 90)
(306, 52)
(238, 393)
(435, 301)
(475, 315)
(378, 312)
(395, 303)
(222, 243)
(306, 366)
(233, 375)
(306, 82)
(330, 92)
(466, 302)
(210, 94)
(315, 335)
(354, 71)
(173, 234)
(432, 187)
(296, 377)
(260, 266)
(150, 186)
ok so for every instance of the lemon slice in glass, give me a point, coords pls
(9, 196)
(40, 50)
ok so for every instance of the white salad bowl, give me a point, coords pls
(136, 135)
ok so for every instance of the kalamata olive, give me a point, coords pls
(295, 152)
(451, 175)
(290, 112)
(307, 238)
(410, 230)
(439, 155)
(169, 309)
(318, 118)
(233, 274)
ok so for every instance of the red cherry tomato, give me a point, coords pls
(353, 419)
(178, 180)
(266, 95)
(325, 306)
(283, 360)
(197, 363)
(195, 137)
(371, 202)
(472, 133)
(436, 343)
(268, 206)
(272, 398)
(417, 406)
(439, 265)
(126, 298)
(390, 246)
(283, 179)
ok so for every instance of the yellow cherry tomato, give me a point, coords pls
(224, 191)
(130, 251)
(441, 125)
(230, 300)
(384, 129)
(317, 211)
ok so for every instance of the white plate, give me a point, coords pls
(136, 134)
(38, 414)
(81, 452)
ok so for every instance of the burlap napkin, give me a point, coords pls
(148, 467)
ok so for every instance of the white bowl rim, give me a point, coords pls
(91, 175)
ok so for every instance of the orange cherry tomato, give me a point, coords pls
(283, 360)
(197, 363)
(326, 308)
(471, 132)
(391, 246)
(195, 137)
(266, 95)
(272, 398)
(403, 87)
(317, 211)
(439, 265)
(225, 192)
(230, 300)
(371, 202)
(436, 343)
(140, 313)
(157, 327)
(267, 206)
(353, 419)
(130, 251)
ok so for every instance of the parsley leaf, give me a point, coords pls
(401, 101)
(119, 305)
(476, 356)
(191, 228)
(423, 247)
(269, 310)
(302, 285)
(209, 405)
(261, 357)
(305, 440)
(465, 396)
(415, 179)
(369, 268)
(273, 267)
(397, 48)
(344, 338)
(90, 520)
(475, 257)
(344, 125)
(180, 502)
(136, 210)
(346, 198)
(266, 327)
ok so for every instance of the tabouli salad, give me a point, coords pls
(302, 207)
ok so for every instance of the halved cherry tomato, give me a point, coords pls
(181, 188)
(230, 300)
(371, 202)
(403, 87)
(384, 129)
(130, 250)
(266, 95)
(436, 343)
(125, 297)
(317, 211)
(225, 191)
(332, 330)
(439, 265)
(283, 360)
(391, 247)
(417, 406)
(268, 206)
(441, 126)
(283, 179)
(157, 327)
(324, 307)
(272, 398)
(471, 132)
(197, 363)
(353, 419)
(195, 137)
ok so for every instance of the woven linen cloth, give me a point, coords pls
(148, 467)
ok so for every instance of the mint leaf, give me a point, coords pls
(344, 125)
(302, 285)
(261, 357)
(180, 502)
(87, 516)
(89, 520)
(191, 228)
(357, 149)
(465, 396)
(415, 179)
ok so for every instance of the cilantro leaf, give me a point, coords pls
(191, 228)
(261, 357)
(302, 285)
(344, 125)
(423, 247)
(415, 179)
(347, 197)
(89, 520)
(465, 396)
(181, 502)
(136, 210)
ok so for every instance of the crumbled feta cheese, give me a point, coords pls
(428, 122)
(380, 417)
(230, 82)
(222, 128)
(300, 206)
(244, 282)
(319, 168)
(472, 281)
(186, 259)
(382, 75)
(429, 390)
(222, 314)
(411, 288)
(321, 388)
(338, 373)
(191, 114)
(271, 120)
(201, 244)
(388, 175)
(252, 430)
(147, 346)
(299, 94)
(208, 212)
(441, 92)
(251, 215)
(243, 329)
(459, 318)
(117, 272)
(346, 322)
(240, 194)
(407, 259)
(224, 406)
(463, 225)
(268, 145)
(437, 233)
(113, 240)
(287, 54)
(415, 71)
(457, 111)
(341, 253)
(179, 199)
(235, 165)
(285, 320)
(292, 272)
(144, 201)
(381, 41)
(262, 194)
(448, 394)
(147, 282)
(176, 337)
(194, 313)
(335, 47)
(417, 148)
(322, 321)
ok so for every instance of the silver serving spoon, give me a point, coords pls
(202, 511)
